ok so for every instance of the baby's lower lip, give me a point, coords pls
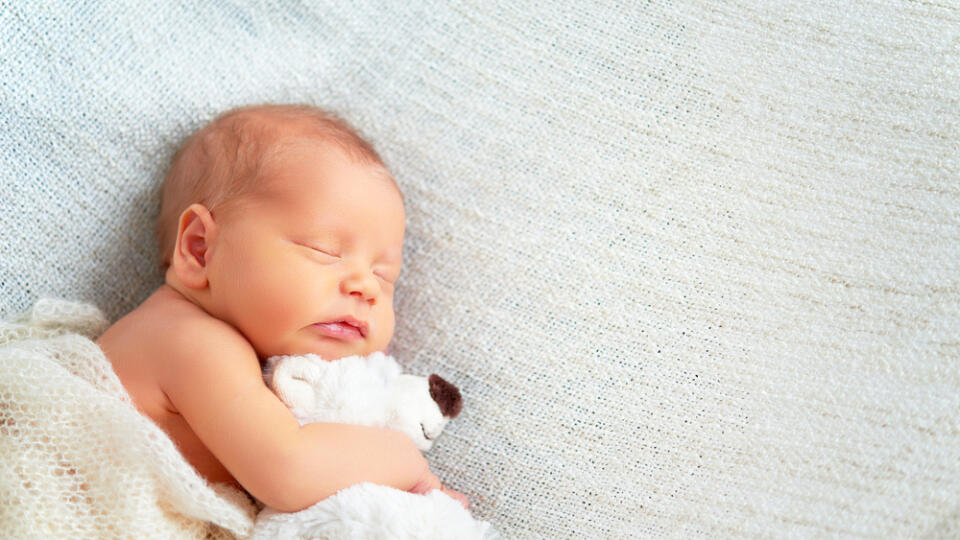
(339, 330)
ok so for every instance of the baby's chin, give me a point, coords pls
(327, 349)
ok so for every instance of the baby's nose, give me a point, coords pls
(362, 285)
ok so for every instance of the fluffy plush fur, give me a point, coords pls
(370, 391)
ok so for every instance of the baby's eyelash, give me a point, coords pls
(326, 252)
(385, 277)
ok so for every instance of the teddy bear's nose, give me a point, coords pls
(446, 395)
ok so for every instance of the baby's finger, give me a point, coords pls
(427, 483)
(459, 497)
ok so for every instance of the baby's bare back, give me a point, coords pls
(139, 346)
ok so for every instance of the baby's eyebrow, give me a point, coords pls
(325, 225)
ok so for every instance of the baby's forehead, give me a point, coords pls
(309, 172)
(293, 158)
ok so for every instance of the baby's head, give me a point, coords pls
(281, 221)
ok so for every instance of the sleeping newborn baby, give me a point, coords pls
(281, 232)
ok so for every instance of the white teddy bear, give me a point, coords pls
(371, 391)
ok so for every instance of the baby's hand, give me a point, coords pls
(457, 496)
(429, 482)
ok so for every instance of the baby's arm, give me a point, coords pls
(213, 379)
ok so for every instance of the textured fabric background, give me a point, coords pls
(695, 266)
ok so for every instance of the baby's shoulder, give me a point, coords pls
(200, 335)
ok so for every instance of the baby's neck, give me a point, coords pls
(173, 287)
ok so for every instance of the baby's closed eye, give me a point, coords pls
(387, 273)
(322, 251)
(385, 279)
(327, 251)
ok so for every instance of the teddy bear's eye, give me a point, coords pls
(424, 430)
(301, 379)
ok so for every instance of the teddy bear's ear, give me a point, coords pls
(292, 381)
(446, 395)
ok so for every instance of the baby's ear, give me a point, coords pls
(196, 232)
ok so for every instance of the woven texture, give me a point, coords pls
(694, 266)
(76, 458)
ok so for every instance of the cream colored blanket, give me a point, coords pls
(76, 458)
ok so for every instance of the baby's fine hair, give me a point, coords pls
(222, 161)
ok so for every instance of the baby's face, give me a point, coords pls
(309, 263)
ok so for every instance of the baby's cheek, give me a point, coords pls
(289, 283)
(388, 322)
(277, 302)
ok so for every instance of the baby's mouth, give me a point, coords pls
(348, 329)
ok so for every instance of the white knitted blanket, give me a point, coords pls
(76, 458)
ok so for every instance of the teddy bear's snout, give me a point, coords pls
(446, 396)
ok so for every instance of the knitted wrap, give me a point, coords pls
(76, 458)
